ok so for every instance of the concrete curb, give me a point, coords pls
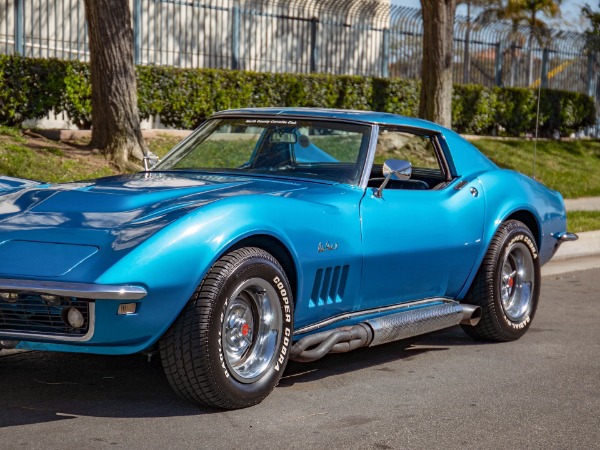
(588, 244)
(582, 254)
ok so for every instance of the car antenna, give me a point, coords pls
(537, 121)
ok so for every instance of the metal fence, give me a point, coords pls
(355, 37)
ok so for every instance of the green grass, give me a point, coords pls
(161, 144)
(13, 133)
(571, 167)
(218, 154)
(579, 221)
(45, 161)
(45, 165)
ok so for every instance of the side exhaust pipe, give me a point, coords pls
(471, 315)
(385, 329)
(340, 340)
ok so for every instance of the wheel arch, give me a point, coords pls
(522, 214)
(276, 248)
(529, 219)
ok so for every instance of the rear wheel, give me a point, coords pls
(230, 345)
(507, 285)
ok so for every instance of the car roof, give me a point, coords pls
(373, 117)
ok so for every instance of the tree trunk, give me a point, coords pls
(115, 117)
(436, 72)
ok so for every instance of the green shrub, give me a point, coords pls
(29, 88)
(473, 109)
(312, 91)
(396, 95)
(565, 112)
(516, 110)
(183, 98)
(77, 99)
(355, 93)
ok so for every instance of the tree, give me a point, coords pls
(115, 117)
(469, 27)
(528, 12)
(524, 12)
(435, 103)
(592, 33)
(593, 48)
(537, 28)
(503, 12)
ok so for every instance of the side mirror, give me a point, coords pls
(395, 169)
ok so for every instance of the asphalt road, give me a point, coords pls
(438, 391)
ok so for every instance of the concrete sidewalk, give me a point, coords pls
(583, 253)
(583, 204)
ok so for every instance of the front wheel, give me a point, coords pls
(507, 285)
(230, 345)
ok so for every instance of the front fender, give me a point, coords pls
(172, 262)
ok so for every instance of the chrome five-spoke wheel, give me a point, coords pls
(251, 329)
(518, 282)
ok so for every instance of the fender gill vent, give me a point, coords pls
(329, 287)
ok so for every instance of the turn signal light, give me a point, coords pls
(127, 308)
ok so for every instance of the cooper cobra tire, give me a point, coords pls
(230, 345)
(507, 285)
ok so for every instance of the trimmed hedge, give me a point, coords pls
(29, 88)
(183, 98)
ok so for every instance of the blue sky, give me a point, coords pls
(571, 11)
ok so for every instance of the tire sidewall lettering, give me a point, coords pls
(521, 237)
(286, 311)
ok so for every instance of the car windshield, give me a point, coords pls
(321, 150)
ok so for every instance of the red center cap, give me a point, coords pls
(245, 329)
(511, 282)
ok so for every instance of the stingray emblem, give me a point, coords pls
(327, 247)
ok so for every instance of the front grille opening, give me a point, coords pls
(33, 313)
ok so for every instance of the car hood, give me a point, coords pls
(64, 224)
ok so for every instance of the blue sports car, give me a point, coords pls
(275, 234)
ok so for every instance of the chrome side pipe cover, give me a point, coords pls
(381, 330)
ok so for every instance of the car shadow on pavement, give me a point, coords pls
(40, 387)
(362, 358)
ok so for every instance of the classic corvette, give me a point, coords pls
(271, 234)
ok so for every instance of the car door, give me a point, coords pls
(420, 237)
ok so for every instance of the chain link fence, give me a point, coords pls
(352, 37)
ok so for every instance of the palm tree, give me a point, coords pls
(531, 10)
(592, 33)
(503, 12)
(523, 12)
(469, 26)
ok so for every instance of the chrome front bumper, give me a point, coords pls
(79, 290)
